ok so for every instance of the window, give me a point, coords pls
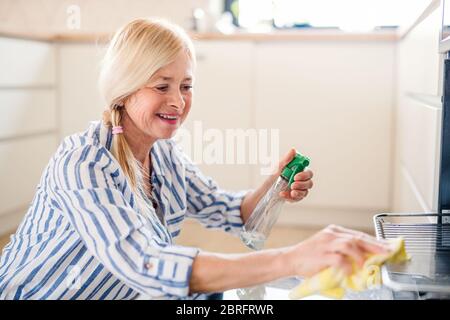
(348, 15)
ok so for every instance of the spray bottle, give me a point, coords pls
(258, 226)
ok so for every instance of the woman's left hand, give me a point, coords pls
(302, 180)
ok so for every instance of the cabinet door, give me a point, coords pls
(418, 128)
(27, 112)
(22, 163)
(28, 125)
(418, 117)
(333, 102)
(221, 108)
(26, 63)
(418, 58)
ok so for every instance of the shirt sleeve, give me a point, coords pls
(125, 241)
(210, 205)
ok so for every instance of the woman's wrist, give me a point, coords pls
(286, 261)
(218, 272)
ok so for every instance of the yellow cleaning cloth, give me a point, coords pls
(332, 282)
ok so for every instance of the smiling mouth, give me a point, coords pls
(170, 118)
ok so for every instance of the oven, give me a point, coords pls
(426, 235)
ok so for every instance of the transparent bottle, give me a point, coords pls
(258, 226)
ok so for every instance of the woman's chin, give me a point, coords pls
(162, 131)
(167, 134)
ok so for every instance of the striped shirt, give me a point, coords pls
(84, 236)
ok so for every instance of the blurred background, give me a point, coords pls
(354, 85)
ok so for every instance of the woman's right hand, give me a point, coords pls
(333, 246)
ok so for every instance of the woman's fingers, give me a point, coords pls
(287, 158)
(304, 175)
(344, 251)
(285, 195)
(302, 185)
(339, 261)
(350, 249)
(371, 246)
(350, 232)
(294, 195)
(364, 240)
(335, 246)
(298, 194)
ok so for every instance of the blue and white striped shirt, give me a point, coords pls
(84, 236)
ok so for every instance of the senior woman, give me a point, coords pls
(113, 198)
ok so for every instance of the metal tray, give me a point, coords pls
(427, 241)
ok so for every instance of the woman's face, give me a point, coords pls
(159, 108)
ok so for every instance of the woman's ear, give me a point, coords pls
(129, 100)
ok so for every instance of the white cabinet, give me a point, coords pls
(28, 125)
(22, 163)
(418, 58)
(26, 63)
(419, 133)
(418, 118)
(222, 104)
(28, 112)
(80, 101)
(333, 102)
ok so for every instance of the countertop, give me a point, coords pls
(293, 35)
(279, 290)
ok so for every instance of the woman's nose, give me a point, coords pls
(176, 100)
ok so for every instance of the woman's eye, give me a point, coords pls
(162, 89)
(166, 88)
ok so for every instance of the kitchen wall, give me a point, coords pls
(56, 16)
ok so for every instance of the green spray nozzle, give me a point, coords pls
(296, 165)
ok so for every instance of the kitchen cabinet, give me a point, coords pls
(80, 100)
(222, 105)
(22, 164)
(26, 63)
(418, 117)
(29, 112)
(28, 134)
(418, 129)
(333, 102)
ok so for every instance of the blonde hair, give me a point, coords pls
(135, 53)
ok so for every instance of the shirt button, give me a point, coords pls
(149, 265)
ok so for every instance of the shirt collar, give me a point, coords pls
(104, 135)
